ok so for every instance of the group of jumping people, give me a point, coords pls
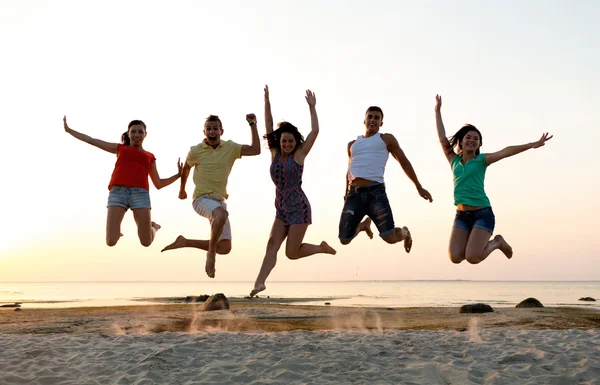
(365, 194)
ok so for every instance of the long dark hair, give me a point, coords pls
(457, 138)
(274, 138)
(125, 136)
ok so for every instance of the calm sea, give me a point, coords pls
(346, 293)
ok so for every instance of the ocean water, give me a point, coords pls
(340, 293)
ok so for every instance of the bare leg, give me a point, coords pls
(295, 249)
(146, 228)
(278, 234)
(480, 246)
(363, 226)
(219, 218)
(400, 234)
(458, 244)
(114, 218)
(223, 246)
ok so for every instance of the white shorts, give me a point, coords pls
(205, 207)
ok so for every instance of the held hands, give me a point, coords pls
(438, 103)
(424, 194)
(311, 98)
(542, 141)
(251, 119)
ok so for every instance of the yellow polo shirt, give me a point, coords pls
(212, 167)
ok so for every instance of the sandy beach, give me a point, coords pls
(257, 341)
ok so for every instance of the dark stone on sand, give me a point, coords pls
(327, 303)
(529, 302)
(18, 309)
(589, 299)
(476, 308)
(11, 305)
(216, 302)
(193, 298)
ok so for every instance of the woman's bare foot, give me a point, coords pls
(366, 227)
(155, 226)
(328, 249)
(504, 246)
(210, 264)
(408, 240)
(179, 243)
(258, 287)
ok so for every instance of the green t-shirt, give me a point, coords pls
(468, 181)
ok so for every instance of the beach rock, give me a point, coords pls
(590, 299)
(193, 298)
(11, 305)
(476, 308)
(216, 302)
(327, 303)
(530, 302)
(18, 309)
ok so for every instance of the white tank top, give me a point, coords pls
(368, 157)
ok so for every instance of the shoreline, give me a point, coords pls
(257, 315)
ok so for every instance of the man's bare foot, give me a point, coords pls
(328, 249)
(179, 243)
(210, 264)
(366, 227)
(155, 226)
(258, 287)
(408, 240)
(504, 246)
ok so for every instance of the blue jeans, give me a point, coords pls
(477, 219)
(369, 200)
(129, 197)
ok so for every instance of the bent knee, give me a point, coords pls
(111, 241)
(292, 254)
(146, 242)
(473, 259)
(456, 258)
(345, 241)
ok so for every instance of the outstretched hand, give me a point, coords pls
(424, 194)
(179, 167)
(67, 128)
(266, 93)
(311, 98)
(542, 141)
(251, 118)
(438, 103)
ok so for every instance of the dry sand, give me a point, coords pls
(179, 344)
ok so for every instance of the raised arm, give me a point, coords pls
(514, 150)
(160, 183)
(446, 147)
(268, 115)
(394, 148)
(254, 148)
(349, 158)
(184, 177)
(106, 146)
(311, 99)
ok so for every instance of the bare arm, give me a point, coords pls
(254, 148)
(446, 147)
(394, 148)
(314, 123)
(349, 158)
(514, 150)
(160, 183)
(268, 115)
(106, 146)
(184, 177)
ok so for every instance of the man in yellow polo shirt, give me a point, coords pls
(212, 161)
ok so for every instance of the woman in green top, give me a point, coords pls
(474, 221)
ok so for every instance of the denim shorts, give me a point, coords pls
(129, 197)
(369, 200)
(477, 219)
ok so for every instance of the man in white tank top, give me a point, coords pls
(365, 190)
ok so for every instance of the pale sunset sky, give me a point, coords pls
(514, 69)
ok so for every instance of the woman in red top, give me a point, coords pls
(129, 181)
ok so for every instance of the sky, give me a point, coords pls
(514, 69)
